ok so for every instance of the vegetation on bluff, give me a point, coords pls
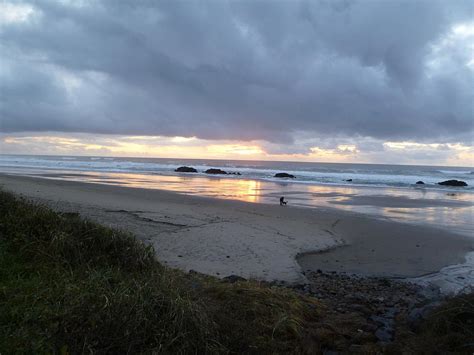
(72, 286)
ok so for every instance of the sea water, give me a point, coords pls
(309, 173)
(385, 191)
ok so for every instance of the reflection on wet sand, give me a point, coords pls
(417, 205)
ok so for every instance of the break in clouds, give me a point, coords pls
(270, 71)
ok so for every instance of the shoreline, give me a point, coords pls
(58, 173)
(82, 262)
(450, 209)
(227, 237)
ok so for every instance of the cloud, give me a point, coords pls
(254, 71)
(366, 150)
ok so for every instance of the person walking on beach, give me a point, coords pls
(282, 201)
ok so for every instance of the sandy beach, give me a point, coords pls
(224, 237)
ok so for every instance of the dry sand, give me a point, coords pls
(223, 237)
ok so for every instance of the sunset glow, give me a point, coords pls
(194, 148)
(361, 91)
(234, 176)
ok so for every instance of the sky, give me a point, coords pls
(386, 81)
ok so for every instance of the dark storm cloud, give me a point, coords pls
(263, 70)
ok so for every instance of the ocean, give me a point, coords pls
(385, 191)
(306, 173)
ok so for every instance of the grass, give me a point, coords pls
(448, 329)
(68, 285)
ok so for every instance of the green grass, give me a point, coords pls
(452, 325)
(448, 329)
(74, 286)
(68, 285)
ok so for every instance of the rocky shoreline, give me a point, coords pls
(372, 309)
(365, 310)
(284, 175)
(358, 311)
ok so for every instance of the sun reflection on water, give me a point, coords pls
(437, 208)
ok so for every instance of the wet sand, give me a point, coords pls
(224, 237)
(448, 209)
(382, 249)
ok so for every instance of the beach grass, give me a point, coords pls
(447, 329)
(68, 285)
(71, 285)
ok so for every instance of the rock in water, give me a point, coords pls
(452, 183)
(420, 182)
(284, 175)
(349, 180)
(186, 169)
(216, 171)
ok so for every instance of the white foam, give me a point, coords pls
(394, 176)
(455, 172)
(451, 280)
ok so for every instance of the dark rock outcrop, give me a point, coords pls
(349, 180)
(420, 182)
(233, 279)
(185, 169)
(284, 175)
(416, 315)
(452, 183)
(216, 171)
